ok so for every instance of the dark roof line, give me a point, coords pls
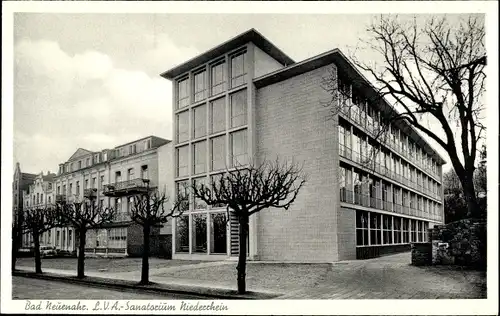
(251, 35)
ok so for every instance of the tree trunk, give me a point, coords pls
(81, 253)
(146, 229)
(473, 210)
(38, 260)
(242, 257)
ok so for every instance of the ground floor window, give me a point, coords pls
(380, 229)
(361, 228)
(116, 237)
(202, 233)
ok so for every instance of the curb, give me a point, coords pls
(208, 293)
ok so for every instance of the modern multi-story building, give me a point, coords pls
(245, 100)
(40, 194)
(21, 182)
(112, 177)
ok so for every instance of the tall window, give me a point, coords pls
(218, 233)
(144, 172)
(238, 70)
(199, 157)
(413, 230)
(397, 230)
(218, 115)
(342, 139)
(218, 153)
(77, 188)
(182, 126)
(86, 184)
(361, 228)
(239, 148)
(375, 229)
(387, 229)
(94, 183)
(200, 121)
(130, 174)
(406, 230)
(118, 205)
(102, 181)
(182, 234)
(200, 86)
(182, 161)
(239, 108)
(183, 93)
(118, 176)
(218, 78)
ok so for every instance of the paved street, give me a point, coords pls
(28, 288)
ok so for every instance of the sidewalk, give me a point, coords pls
(389, 277)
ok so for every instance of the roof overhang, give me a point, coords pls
(249, 36)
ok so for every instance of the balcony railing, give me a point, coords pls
(60, 198)
(125, 188)
(356, 157)
(374, 130)
(90, 193)
(365, 200)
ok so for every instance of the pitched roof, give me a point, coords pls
(79, 153)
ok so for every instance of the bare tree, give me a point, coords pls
(148, 210)
(433, 71)
(84, 216)
(37, 220)
(248, 190)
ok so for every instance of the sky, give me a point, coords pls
(92, 80)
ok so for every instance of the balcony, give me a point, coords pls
(90, 193)
(60, 198)
(126, 188)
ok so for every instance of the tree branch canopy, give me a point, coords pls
(432, 69)
(248, 190)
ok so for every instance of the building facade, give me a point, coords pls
(40, 194)
(111, 177)
(20, 183)
(245, 101)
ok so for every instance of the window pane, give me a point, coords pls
(183, 93)
(199, 233)
(239, 108)
(182, 126)
(198, 203)
(218, 236)
(182, 161)
(218, 78)
(218, 153)
(182, 234)
(200, 121)
(200, 86)
(238, 70)
(239, 148)
(218, 115)
(199, 157)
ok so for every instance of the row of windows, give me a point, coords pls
(367, 151)
(38, 199)
(363, 185)
(200, 84)
(115, 153)
(380, 229)
(107, 238)
(216, 117)
(360, 110)
(238, 153)
(93, 184)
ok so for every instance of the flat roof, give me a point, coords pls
(249, 36)
(359, 81)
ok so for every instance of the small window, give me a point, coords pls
(239, 108)
(144, 172)
(200, 86)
